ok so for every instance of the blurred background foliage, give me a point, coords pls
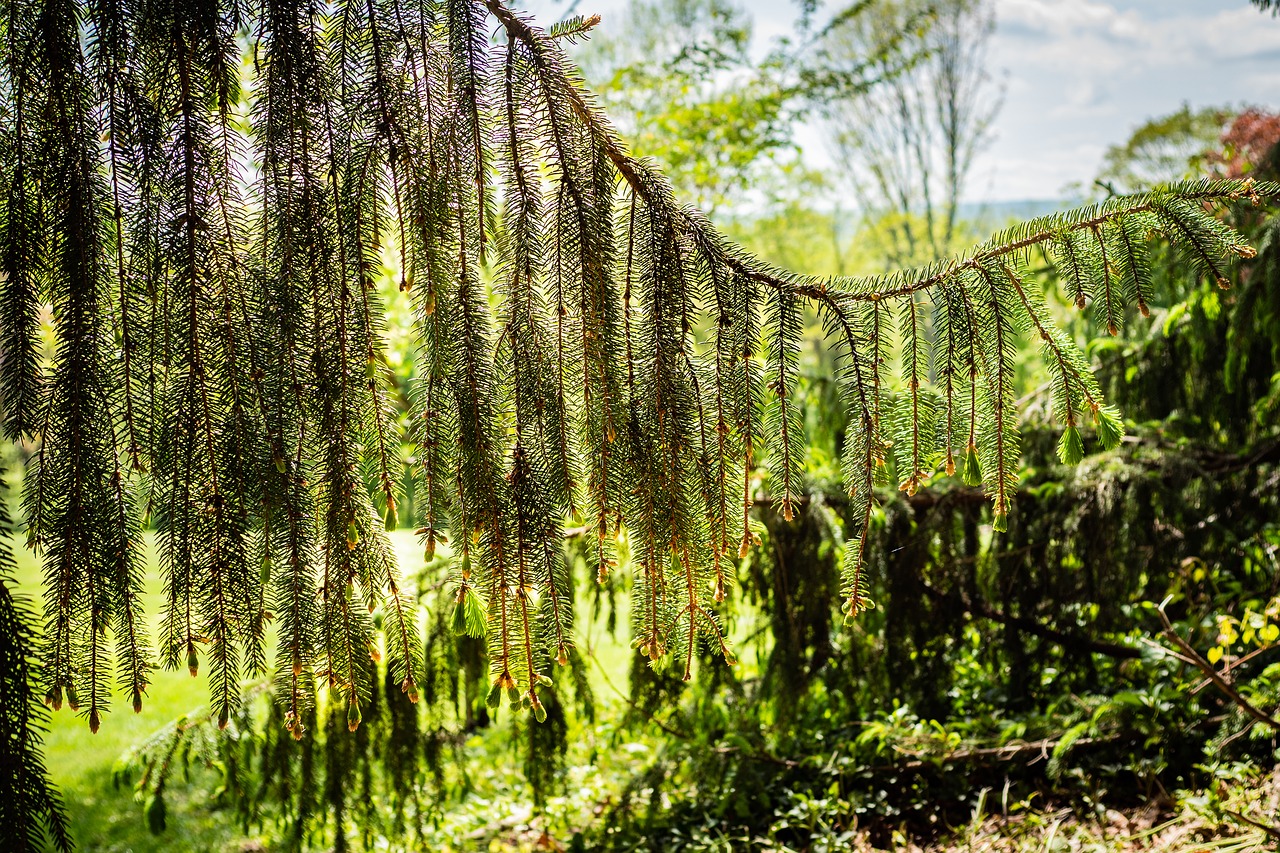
(1102, 676)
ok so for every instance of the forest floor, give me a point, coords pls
(107, 817)
(1167, 827)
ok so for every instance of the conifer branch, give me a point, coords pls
(558, 376)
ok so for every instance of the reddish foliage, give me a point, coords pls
(1245, 143)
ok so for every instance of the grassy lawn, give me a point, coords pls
(107, 817)
(103, 816)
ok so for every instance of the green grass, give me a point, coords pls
(104, 817)
(107, 817)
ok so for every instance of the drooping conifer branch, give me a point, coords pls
(582, 355)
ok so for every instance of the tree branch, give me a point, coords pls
(1189, 653)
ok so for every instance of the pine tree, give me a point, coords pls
(205, 220)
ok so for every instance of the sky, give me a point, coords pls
(1078, 76)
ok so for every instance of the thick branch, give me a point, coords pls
(1071, 642)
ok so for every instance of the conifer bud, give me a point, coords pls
(95, 720)
(278, 458)
(562, 656)
(265, 574)
(539, 710)
(54, 697)
(392, 518)
(1109, 427)
(972, 474)
(999, 522)
(353, 715)
(513, 696)
(459, 621)
(73, 698)
(137, 701)
(193, 662)
(353, 535)
(495, 696)
(1070, 446)
(224, 719)
(156, 812)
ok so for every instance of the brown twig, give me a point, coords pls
(1269, 830)
(1194, 657)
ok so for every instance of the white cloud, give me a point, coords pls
(1088, 71)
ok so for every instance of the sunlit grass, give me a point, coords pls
(107, 817)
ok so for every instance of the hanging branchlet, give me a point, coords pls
(590, 355)
(31, 810)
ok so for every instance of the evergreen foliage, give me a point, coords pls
(30, 808)
(205, 224)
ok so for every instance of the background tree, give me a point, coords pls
(1168, 148)
(684, 84)
(907, 147)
